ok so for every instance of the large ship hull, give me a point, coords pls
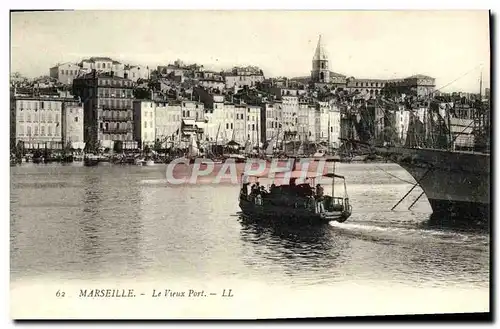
(457, 184)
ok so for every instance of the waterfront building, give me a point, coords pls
(290, 105)
(193, 110)
(334, 126)
(37, 121)
(303, 120)
(227, 130)
(108, 108)
(240, 127)
(65, 73)
(144, 122)
(253, 125)
(313, 122)
(322, 121)
(271, 118)
(72, 125)
(168, 118)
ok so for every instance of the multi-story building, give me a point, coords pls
(144, 122)
(136, 72)
(290, 120)
(313, 121)
(193, 110)
(271, 116)
(227, 130)
(402, 123)
(239, 81)
(103, 64)
(240, 127)
(372, 87)
(303, 121)
(322, 121)
(253, 131)
(334, 127)
(72, 125)
(108, 109)
(212, 83)
(37, 122)
(168, 118)
(65, 73)
(243, 76)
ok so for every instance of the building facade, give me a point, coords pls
(104, 65)
(168, 122)
(144, 123)
(136, 72)
(108, 109)
(37, 122)
(65, 73)
(334, 127)
(72, 125)
(253, 125)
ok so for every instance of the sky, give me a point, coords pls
(447, 45)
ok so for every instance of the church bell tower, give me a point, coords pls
(320, 70)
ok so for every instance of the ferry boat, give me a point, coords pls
(294, 204)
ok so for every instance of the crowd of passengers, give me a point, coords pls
(290, 195)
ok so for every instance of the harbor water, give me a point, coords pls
(107, 227)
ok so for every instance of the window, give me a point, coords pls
(145, 124)
(227, 125)
(42, 131)
(41, 105)
(21, 116)
(50, 130)
(28, 117)
(29, 131)
(57, 117)
(36, 130)
(42, 115)
(58, 132)
(76, 119)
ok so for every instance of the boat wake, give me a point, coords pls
(409, 234)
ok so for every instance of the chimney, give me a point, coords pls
(125, 75)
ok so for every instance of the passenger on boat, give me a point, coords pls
(319, 199)
(263, 191)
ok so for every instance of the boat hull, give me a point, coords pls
(290, 216)
(457, 184)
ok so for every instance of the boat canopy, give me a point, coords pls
(295, 174)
